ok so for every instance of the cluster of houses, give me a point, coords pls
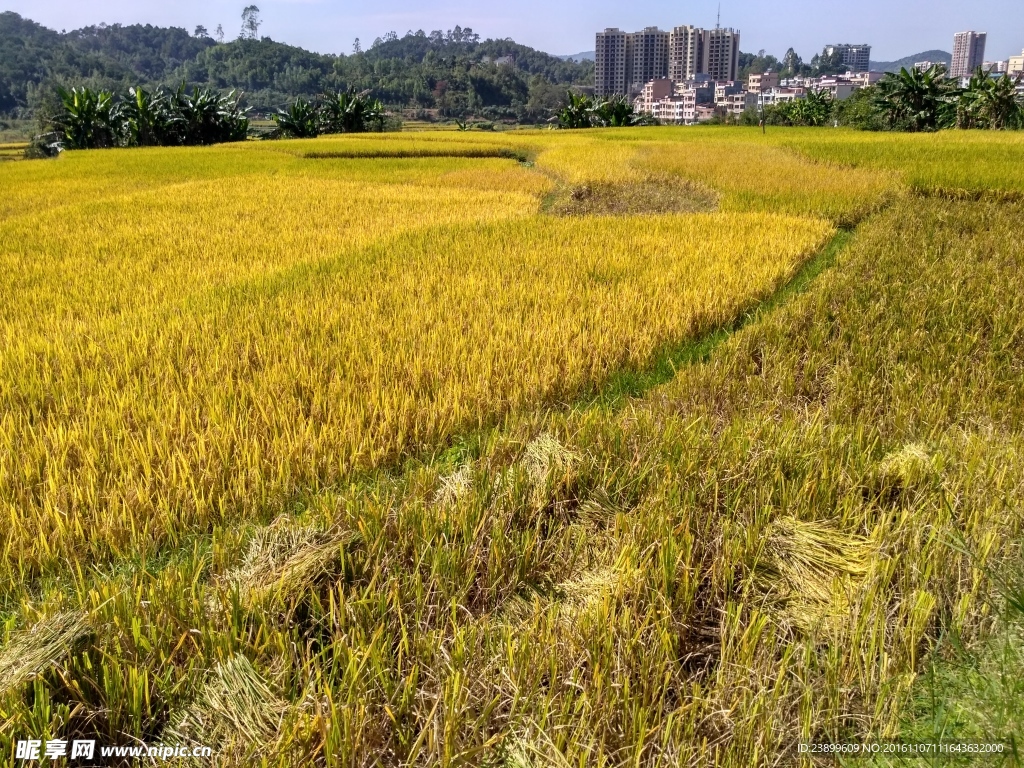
(689, 75)
(701, 98)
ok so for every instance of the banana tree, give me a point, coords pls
(815, 109)
(88, 119)
(301, 120)
(207, 117)
(615, 112)
(149, 118)
(989, 102)
(918, 100)
(578, 111)
(350, 112)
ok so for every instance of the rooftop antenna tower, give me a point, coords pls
(718, 20)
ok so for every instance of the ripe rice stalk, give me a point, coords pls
(581, 593)
(236, 714)
(550, 468)
(31, 652)
(285, 559)
(280, 372)
(545, 454)
(574, 597)
(455, 485)
(521, 752)
(654, 194)
(170, 379)
(907, 466)
(810, 572)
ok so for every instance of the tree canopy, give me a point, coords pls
(454, 72)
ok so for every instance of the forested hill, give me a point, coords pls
(934, 56)
(32, 55)
(454, 72)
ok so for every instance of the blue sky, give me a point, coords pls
(894, 28)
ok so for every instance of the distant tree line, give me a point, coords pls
(790, 65)
(452, 73)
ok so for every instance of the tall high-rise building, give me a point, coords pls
(685, 52)
(720, 54)
(625, 61)
(856, 58)
(968, 53)
(649, 54)
(611, 64)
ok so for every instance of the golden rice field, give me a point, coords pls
(12, 151)
(619, 447)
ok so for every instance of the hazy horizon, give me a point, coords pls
(892, 29)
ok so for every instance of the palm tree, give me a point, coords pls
(918, 100)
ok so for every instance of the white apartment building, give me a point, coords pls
(720, 54)
(763, 81)
(738, 103)
(995, 67)
(838, 88)
(1015, 65)
(625, 61)
(675, 110)
(653, 92)
(968, 53)
(796, 82)
(610, 70)
(685, 52)
(725, 91)
(779, 95)
(857, 58)
(649, 50)
(703, 112)
(924, 66)
(863, 79)
(675, 102)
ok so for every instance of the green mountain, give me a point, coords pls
(454, 72)
(935, 56)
